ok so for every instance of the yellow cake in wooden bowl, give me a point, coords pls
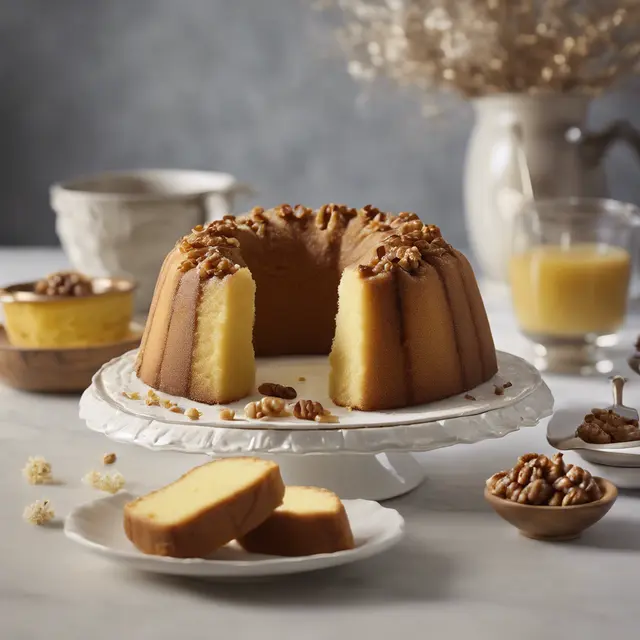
(68, 310)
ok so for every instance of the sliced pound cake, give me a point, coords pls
(309, 521)
(205, 509)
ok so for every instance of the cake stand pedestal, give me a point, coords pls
(365, 455)
(352, 476)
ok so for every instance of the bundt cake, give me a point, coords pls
(397, 308)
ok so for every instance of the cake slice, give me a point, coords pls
(309, 521)
(205, 509)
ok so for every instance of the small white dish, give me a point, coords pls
(560, 435)
(97, 526)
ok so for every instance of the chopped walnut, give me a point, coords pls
(604, 426)
(193, 414)
(109, 458)
(227, 414)
(111, 483)
(132, 395)
(64, 283)
(543, 481)
(39, 513)
(152, 399)
(308, 410)
(277, 390)
(37, 471)
(268, 407)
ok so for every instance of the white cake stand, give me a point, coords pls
(366, 455)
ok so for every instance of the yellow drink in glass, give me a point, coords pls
(570, 291)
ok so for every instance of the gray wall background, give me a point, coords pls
(252, 87)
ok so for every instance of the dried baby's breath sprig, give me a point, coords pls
(111, 483)
(481, 47)
(40, 512)
(37, 471)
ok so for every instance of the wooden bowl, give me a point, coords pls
(58, 370)
(554, 523)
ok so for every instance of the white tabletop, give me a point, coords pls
(461, 572)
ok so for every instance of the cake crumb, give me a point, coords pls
(37, 471)
(349, 408)
(468, 396)
(227, 414)
(38, 513)
(326, 417)
(109, 458)
(152, 399)
(302, 379)
(498, 390)
(193, 413)
(507, 384)
(176, 409)
(111, 483)
(132, 395)
(167, 404)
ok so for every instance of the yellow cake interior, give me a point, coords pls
(347, 376)
(309, 500)
(223, 360)
(200, 489)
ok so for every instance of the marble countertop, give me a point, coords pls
(461, 572)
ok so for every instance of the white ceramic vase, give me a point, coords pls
(529, 146)
(123, 224)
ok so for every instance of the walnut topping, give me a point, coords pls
(308, 410)
(109, 458)
(604, 426)
(111, 483)
(132, 395)
(152, 399)
(538, 480)
(193, 414)
(407, 248)
(277, 390)
(37, 471)
(210, 248)
(268, 407)
(227, 414)
(64, 283)
(39, 513)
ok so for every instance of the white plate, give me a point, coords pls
(98, 527)
(119, 375)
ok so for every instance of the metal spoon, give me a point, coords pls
(573, 442)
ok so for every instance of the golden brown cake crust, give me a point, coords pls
(296, 257)
(212, 528)
(286, 533)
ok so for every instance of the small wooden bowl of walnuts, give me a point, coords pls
(547, 499)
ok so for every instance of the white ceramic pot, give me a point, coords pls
(123, 224)
(529, 146)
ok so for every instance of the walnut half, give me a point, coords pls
(539, 480)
